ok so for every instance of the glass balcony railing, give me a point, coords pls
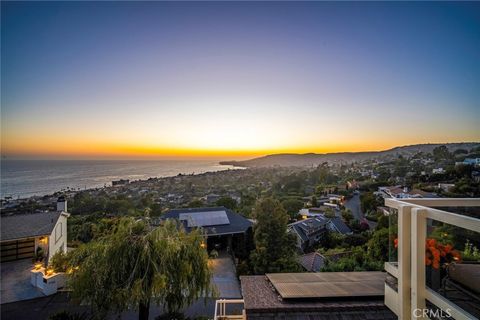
(434, 258)
(392, 236)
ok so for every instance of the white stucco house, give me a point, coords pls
(22, 234)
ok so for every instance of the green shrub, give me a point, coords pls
(60, 262)
(471, 252)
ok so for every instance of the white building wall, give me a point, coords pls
(58, 238)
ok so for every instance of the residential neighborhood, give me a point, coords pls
(334, 212)
(240, 160)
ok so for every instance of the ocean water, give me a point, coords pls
(25, 178)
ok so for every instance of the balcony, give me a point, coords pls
(434, 265)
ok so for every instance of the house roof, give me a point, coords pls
(308, 226)
(398, 190)
(229, 223)
(317, 221)
(21, 226)
(312, 262)
(423, 194)
(340, 225)
(395, 190)
(300, 232)
(260, 297)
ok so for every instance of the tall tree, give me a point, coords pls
(274, 246)
(378, 248)
(292, 206)
(347, 215)
(136, 265)
(196, 203)
(369, 202)
(441, 153)
(227, 202)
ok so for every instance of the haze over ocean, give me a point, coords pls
(25, 178)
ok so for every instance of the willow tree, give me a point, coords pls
(137, 265)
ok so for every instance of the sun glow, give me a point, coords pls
(218, 133)
(233, 81)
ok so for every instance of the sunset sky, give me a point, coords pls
(235, 80)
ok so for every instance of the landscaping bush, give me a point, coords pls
(59, 262)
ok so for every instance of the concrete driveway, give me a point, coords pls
(15, 281)
(225, 277)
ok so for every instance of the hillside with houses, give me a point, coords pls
(314, 159)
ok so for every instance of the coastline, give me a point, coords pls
(38, 178)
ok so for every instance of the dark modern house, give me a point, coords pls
(309, 231)
(336, 224)
(223, 228)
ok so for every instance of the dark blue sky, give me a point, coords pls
(393, 73)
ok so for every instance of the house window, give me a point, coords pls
(58, 232)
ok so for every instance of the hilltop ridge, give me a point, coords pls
(314, 159)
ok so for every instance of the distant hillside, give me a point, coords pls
(314, 159)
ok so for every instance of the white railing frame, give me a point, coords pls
(221, 306)
(412, 234)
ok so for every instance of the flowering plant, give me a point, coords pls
(436, 253)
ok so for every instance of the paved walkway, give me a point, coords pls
(15, 283)
(225, 277)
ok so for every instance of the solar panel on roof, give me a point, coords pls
(328, 284)
(203, 219)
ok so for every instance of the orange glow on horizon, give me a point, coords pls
(220, 82)
(201, 131)
(195, 143)
(117, 151)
